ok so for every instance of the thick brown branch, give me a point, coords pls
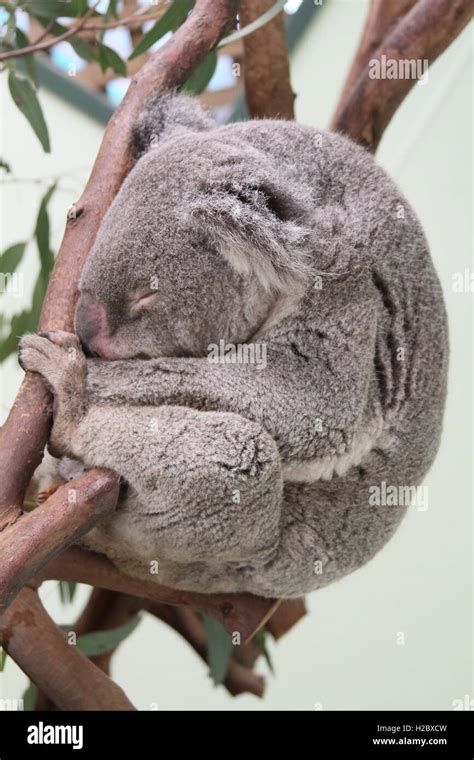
(267, 72)
(242, 613)
(423, 34)
(382, 16)
(240, 678)
(104, 610)
(39, 535)
(59, 669)
(285, 617)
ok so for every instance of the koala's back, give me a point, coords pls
(346, 196)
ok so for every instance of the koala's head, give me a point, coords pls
(198, 245)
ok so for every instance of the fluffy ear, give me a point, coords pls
(259, 223)
(168, 114)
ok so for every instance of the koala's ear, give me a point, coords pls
(260, 225)
(166, 115)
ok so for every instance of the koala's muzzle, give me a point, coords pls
(90, 322)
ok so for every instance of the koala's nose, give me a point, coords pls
(90, 320)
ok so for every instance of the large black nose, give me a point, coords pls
(90, 321)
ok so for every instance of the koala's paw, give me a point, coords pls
(58, 357)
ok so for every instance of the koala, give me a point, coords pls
(243, 475)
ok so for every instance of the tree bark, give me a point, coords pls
(422, 34)
(65, 675)
(267, 71)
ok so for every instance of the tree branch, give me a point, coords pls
(423, 34)
(67, 677)
(40, 535)
(267, 71)
(289, 612)
(239, 678)
(104, 610)
(46, 41)
(39, 45)
(242, 613)
(382, 16)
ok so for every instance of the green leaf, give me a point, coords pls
(200, 78)
(170, 21)
(49, 9)
(99, 642)
(11, 257)
(42, 234)
(112, 12)
(219, 648)
(5, 166)
(29, 697)
(79, 7)
(67, 590)
(83, 48)
(29, 60)
(19, 325)
(27, 321)
(260, 638)
(3, 659)
(108, 58)
(24, 96)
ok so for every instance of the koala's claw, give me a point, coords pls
(61, 338)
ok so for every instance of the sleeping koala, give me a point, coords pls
(246, 475)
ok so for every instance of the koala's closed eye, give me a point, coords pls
(142, 301)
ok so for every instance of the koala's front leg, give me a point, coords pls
(204, 488)
(59, 358)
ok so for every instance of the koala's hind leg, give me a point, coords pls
(205, 487)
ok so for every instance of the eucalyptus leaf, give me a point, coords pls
(112, 11)
(83, 48)
(29, 60)
(24, 96)
(49, 9)
(260, 639)
(170, 21)
(67, 591)
(219, 648)
(79, 7)
(201, 77)
(108, 58)
(42, 234)
(100, 642)
(11, 257)
(19, 325)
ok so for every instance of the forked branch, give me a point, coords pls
(420, 35)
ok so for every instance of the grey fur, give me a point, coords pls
(242, 478)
